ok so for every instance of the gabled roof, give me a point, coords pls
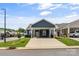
(43, 23)
(62, 25)
(29, 27)
(74, 24)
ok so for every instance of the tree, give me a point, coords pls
(21, 30)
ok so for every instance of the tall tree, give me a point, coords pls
(21, 30)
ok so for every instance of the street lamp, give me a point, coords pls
(4, 24)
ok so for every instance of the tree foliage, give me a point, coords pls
(21, 30)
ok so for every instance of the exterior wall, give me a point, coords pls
(73, 29)
(67, 31)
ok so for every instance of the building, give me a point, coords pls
(44, 28)
(41, 28)
(67, 28)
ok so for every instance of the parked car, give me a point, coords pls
(74, 34)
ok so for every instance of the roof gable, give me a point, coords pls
(74, 24)
(43, 23)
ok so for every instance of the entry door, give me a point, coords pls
(44, 33)
(37, 34)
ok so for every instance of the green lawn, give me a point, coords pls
(17, 43)
(68, 41)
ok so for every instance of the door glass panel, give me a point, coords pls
(44, 33)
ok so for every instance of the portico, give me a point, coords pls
(42, 28)
(42, 32)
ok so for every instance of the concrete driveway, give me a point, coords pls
(38, 43)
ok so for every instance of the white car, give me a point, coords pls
(74, 34)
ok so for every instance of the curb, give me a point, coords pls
(21, 48)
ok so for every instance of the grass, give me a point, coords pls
(17, 43)
(68, 41)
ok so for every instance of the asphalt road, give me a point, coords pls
(42, 52)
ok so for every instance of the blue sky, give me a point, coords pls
(20, 15)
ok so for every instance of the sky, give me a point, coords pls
(20, 15)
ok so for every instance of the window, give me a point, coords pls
(77, 31)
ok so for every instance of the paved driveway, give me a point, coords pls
(39, 43)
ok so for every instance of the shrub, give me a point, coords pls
(12, 47)
(28, 36)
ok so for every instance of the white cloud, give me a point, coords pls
(20, 17)
(65, 19)
(45, 13)
(24, 4)
(74, 8)
(73, 14)
(44, 6)
(69, 18)
(56, 6)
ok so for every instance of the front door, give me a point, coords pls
(37, 34)
(44, 33)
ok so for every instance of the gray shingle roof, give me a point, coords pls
(74, 24)
(62, 25)
(29, 27)
(43, 23)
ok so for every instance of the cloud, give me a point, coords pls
(69, 18)
(24, 4)
(44, 6)
(65, 19)
(45, 13)
(49, 6)
(73, 14)
(56, 6)
(74, 8)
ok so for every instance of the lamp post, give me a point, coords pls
(4, 24)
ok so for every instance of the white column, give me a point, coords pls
(54, 32)
(61, 32)
(49, 32)
(68, 31)
(31, 33)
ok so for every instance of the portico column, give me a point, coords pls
(49, 32)
(54, 33)
(68, 32)
(31, 33)
(34, 32)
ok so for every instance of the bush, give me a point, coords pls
(58, 37)
(28, 36)
(12, 47)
